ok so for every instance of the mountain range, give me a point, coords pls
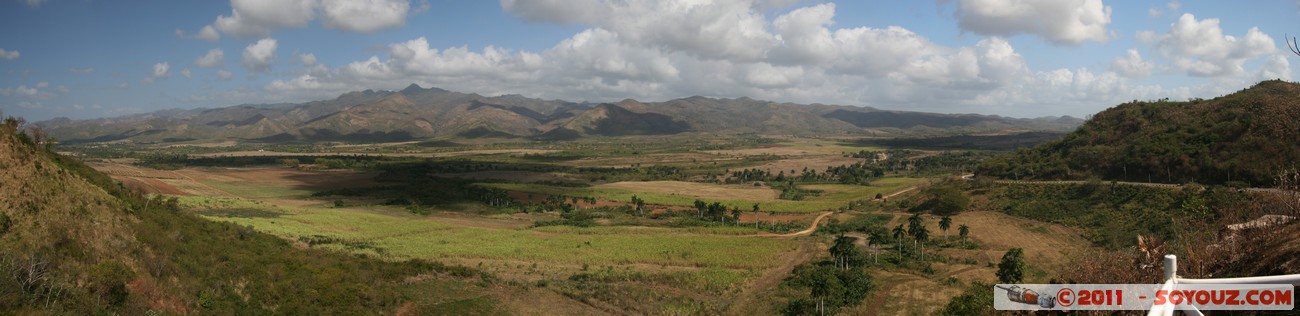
(421, 113)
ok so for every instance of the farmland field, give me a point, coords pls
(550, 218)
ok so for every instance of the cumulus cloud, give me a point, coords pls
(364, 15)
(307, 59)
(9, 54)
(35, 4)
(160, 71)
(186, 73)
(1199, 47)
(207, 33)
(1061, 22)
(87, 70)
(213, 58)
(38, 91)
(630, 49)
(1131, 65)
(21, 90)
(254, 18)
(1276, 67)
(258, 56)
(716, 30)
(226, 75)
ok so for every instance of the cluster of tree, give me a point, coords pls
(791, 191)
(857, 173)
(920, 234)
(832, 285)
(943, 199)
(717, 212)
(1245, 137)
(162, 160)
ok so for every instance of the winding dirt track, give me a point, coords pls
(811, 228)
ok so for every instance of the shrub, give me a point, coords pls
(5, 222)
(108, 281)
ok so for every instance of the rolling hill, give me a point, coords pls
(1244, 138)
(75, 242)
(421, 113)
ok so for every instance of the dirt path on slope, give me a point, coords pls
(811, 228)
(747, 302)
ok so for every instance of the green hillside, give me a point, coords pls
(75, 242)
(1244, 138)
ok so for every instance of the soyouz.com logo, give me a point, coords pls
(1143, 296)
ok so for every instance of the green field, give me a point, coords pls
(835, 196)
(404, 236)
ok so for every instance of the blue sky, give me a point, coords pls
(1024, 58)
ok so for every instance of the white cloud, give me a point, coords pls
(733, 30)
(364, 15)
(1155, 12)
(1131, 65)
(307, 59)
(212, 58)
(258, 56)
(186, 73)
(207, 33)
(1276, 67)
(625, 51)
(34, 4)
(30, 105)
(1062, 22)
(224, 74)
(255, 18)
(38, 91)
(416, 57)
(161, 70)
(9, 54)
(87, 70)
(1200, 48)
(123, 85)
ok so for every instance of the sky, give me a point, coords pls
(1022, 58)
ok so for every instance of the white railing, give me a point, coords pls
(1172, 280)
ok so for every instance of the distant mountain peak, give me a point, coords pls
(413, 88)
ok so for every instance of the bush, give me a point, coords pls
(5, 222)
(108, 281)
(976, 300)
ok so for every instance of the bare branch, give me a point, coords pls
(1292, 44)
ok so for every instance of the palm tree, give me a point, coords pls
(874, 241)
(964, 231)
(922, 236)
(898, 237)
(944, 224)
(843, 251)
(755, 215)
(914, 225)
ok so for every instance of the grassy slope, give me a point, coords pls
(98, 248)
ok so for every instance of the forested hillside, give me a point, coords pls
(75, 242)
(1245, 138)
